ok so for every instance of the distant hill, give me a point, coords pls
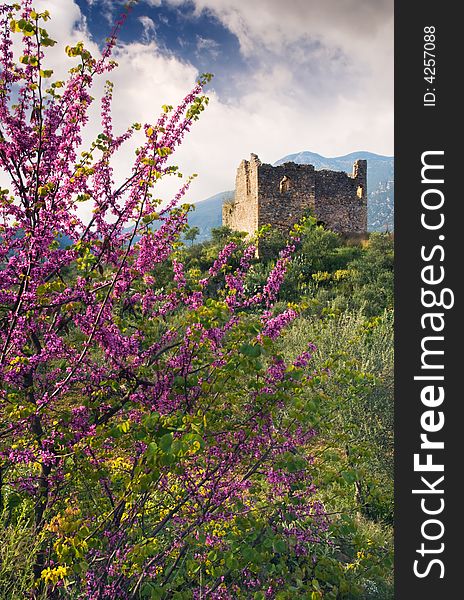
(380, 190)
(208, 214)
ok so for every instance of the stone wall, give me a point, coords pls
(341, 199)
(280, 196)
(285, 193)
(242, 214)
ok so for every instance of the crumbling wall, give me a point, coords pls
(242, 213)
(280, 196)
(341, 199)
(285, 193)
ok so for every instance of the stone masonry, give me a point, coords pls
(280, 196)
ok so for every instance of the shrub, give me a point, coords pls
(150, 430)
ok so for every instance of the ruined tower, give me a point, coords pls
(280, 196)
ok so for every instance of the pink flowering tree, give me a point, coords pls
(152, 434)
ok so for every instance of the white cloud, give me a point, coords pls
(275, 23)
(336, 53)
(321, 80)
(207, 45)
(149, 28)
(144, 80)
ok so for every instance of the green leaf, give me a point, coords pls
(150, 218)
(46, 41)
(14, 26)
(125, 426)
(150, 591)
(349, 476)
(14, 500)
(115, 432)
(231, 563)
(28, 29)
(165, 442)
(280, 546)
(165, 151)
(251, 351)
(249, 554)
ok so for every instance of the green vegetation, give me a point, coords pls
(343, 292)
(178, 421)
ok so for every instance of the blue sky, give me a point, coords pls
(290, 75)
(200, 39)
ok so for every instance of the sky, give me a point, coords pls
(289, 75)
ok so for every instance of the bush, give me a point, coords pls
(150, 429)
(18, 549)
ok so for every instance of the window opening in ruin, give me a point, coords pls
(360, 191)
(285, 184)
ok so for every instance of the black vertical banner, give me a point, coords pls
(429, 242)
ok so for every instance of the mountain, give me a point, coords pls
(380, 181)
(208, 214)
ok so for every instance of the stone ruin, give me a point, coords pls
(280, 196)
